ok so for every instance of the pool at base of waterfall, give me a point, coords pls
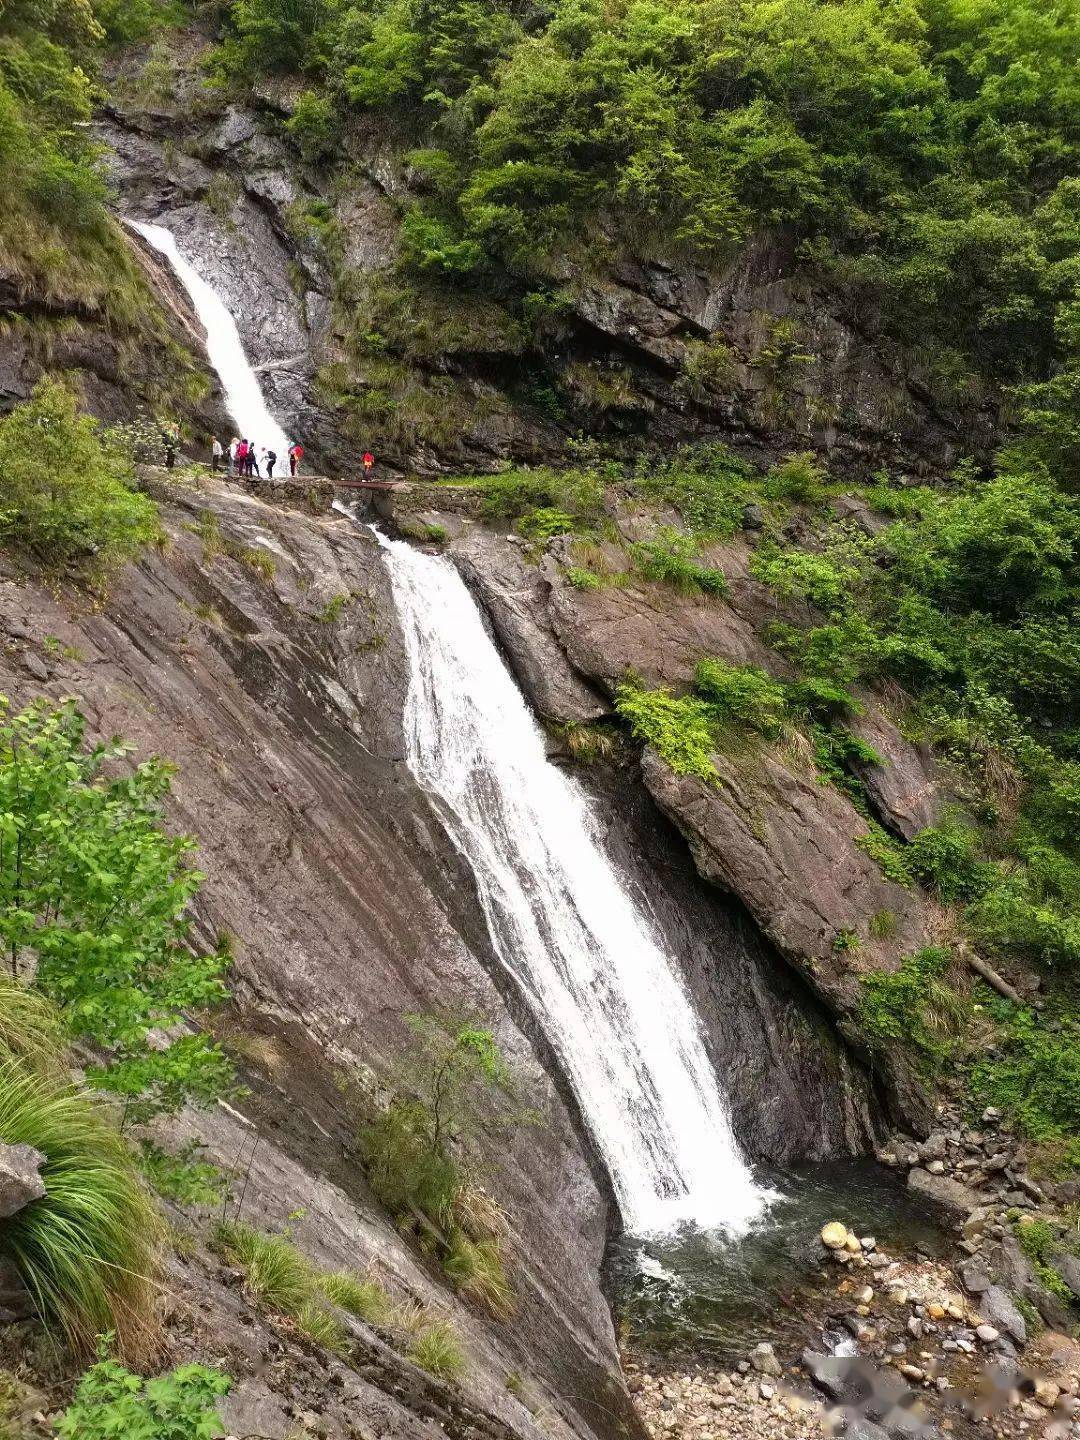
(704, 1293)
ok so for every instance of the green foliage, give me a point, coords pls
(64, 493)
(545, 522)
(920, 149)
(886, 852)
(331, 611)
(945, 858)
(313, 125)
(1035, 1078)
(182, 1177)
(110, 1402)
(322, 1327)
(583, 579)
(364, 1298)
(87, 1250)
(437, 1350)
(93, 888)
(416, 1156)
(802, 575)
(707, 484)
(708, 369)
(275, 1272)
(742, 694)
(671, 559)
(914, 1005)
(799, 477)
(679, 728)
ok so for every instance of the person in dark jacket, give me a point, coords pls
(271, 461)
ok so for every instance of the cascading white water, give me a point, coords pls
(611, 1002)
(243, 395)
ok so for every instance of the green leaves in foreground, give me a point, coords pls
(95, 890)
(112, 1404)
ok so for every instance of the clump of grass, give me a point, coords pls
(588, 744)
(322, 1327)
(883, 924)
(274, 1270)
(88, 1249)
(364, 1298)
(476, 1269)
(917, 1004)
(583, 579)
(437, 1349)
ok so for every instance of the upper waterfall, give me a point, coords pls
(610, 1001)
(243, 395)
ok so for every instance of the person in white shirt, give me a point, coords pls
(216, 452)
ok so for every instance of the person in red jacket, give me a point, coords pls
(296, 454)
(369, 464)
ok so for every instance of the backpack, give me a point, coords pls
(271, 458)
(242, 450)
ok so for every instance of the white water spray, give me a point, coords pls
(610, 1001)
(243, 395)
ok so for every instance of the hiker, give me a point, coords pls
(216, 452)
(369, 464)
(171, 439)
(253, 461)
(270, 457)
(296, 454)
(242, 458)
(233, 446)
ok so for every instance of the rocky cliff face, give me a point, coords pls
(348, 911)
(354, 352)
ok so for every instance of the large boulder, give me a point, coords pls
(20, 1180)
(943, 1190)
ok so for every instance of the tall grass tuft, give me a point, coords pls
(364, 1298)
(437, 1349)
(87, 1251)
(275, 1270)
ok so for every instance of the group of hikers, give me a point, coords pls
(241, 457)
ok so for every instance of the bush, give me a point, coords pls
(797, 574)
(915, 1005)
(1036, 1079)
(313, 125)
(93, 888)
(799, 477)
(64, 495)
(946, 859)
(111, 1403)
(679, 728)
(743, 694)
(707, 484)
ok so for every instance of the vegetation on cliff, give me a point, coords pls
(921, 153)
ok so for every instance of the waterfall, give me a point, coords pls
(610, 1001)
(243, 396)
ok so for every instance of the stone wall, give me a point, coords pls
(312, 494)
(425, 498)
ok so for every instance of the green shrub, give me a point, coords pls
(64, 495)
(915, 1005)
(800, 575)
(671, 560)
(545, 523)
(708, 485)
(679, 728)
(476, 1269)
(88, 1249)
(799, 477)
(583, 579)
(945, 858)
(437, 1350)
(1035, 1080)
(182, 1177)
(111, 1403)
(742, 694)
(709, 368)
(313, 125)
(93, 887)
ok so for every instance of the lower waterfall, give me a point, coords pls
(610, 1002)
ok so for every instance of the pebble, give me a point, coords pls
(987, 1334)
(1046, 1392)
(834, 1235)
